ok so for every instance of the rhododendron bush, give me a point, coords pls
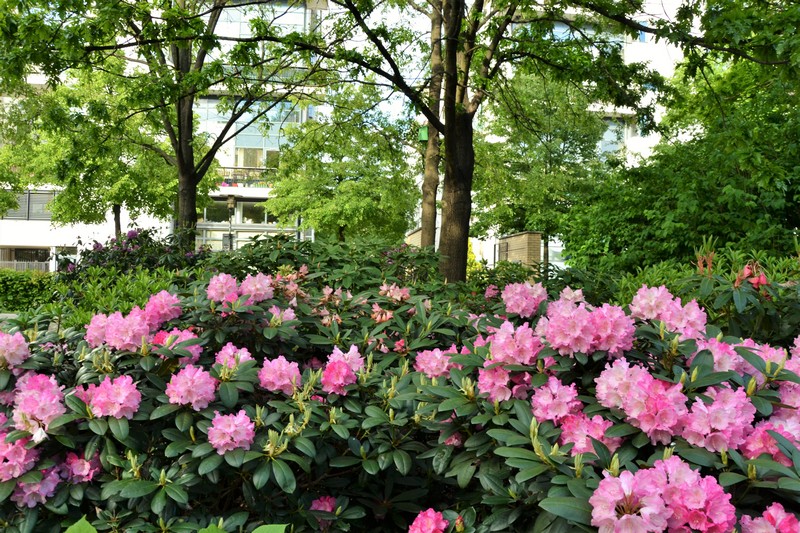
(275, 399)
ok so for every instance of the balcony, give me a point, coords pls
(244, 177)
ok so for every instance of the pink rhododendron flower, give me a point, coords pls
(279, 316)
(568, 327)
(352, 357)
(696, 503)
(613, 330)
(579, 430)
(629, 503)
(36, 493)
(15, 457)
(231, 356)
(380, 315)
(774, 520)
(96, 330)
(280, 375)
(231, 432)
(434, 363)
(76, 469)
(257, 288)
(724, 354)
(221, 286)
(721, 424)
(161, 308)
(494, 382)
(491, 292)
(192, 386)
(37, 402)
(13, 350)
(651, 303)
(518, 346)
(171, 338)
(118, 398)
(326, 504)
(759, 441)
(393, 292)
(337, 375)
(429, 521)
(523, 298)
(653, 405)
(553, 400)
(127, 333)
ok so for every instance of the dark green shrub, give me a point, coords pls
(24, 291)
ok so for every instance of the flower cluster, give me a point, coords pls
(658, 304)
(161, 308)
(37, 402)
(670, 496)
(230, 432)
(170, 339)
(775, 519)
(117, 398)
(16, 457)
(721, 424)
(655, 406)
(523, 298)
(435, 363)
(192, 386)
(429, 521)
(280, 375)
(231, 356)
(340, 370)
(554, 401)
(13, 350)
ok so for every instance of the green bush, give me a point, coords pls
(392, 438)
(24, 291)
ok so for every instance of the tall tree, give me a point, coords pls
(542, 143)
(347, 173)
(174, 52)
(728, 167)
(77, 136)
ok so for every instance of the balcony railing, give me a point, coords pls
(41, 266)
(245, 177)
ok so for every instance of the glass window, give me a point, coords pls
(252, 213)
(37, 204)
(249, 158)
(40, 255)
(216, 212)
(21, 212)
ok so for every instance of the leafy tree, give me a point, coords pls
(78, 137)
(173, 52)
(348, 173)
(178, 41)
(544, 141)
(728, 168)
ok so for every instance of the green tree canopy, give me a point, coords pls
(347, 173)
(728, 167)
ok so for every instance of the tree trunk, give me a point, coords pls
(545, 253)
(430, 183)
(117, 210)
(457, 197)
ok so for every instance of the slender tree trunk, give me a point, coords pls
(430, 183)
(117, 210)
(545, 253)
(457, 197)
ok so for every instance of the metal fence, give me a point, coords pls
(41, 266)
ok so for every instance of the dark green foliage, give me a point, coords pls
(24, 291)
(353, 265)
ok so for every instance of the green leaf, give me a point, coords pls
(726, 479)
(209, 463)
(98, 426)
(177, 493)
(272, 528)
(402, 461)
(6, 488)
(119, 427)
(527, 474)
(81, 526)
(229, 394)
(284, 476)
(620, 430)
(164, 410)
(159, 501)
(262, 474)
(517, 453)
(573, 509)
(138, 488)
(184, 420)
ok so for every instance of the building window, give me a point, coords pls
(32, 255)
(249, 158)
(216, 212)
(254, 213)
(32, 205)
